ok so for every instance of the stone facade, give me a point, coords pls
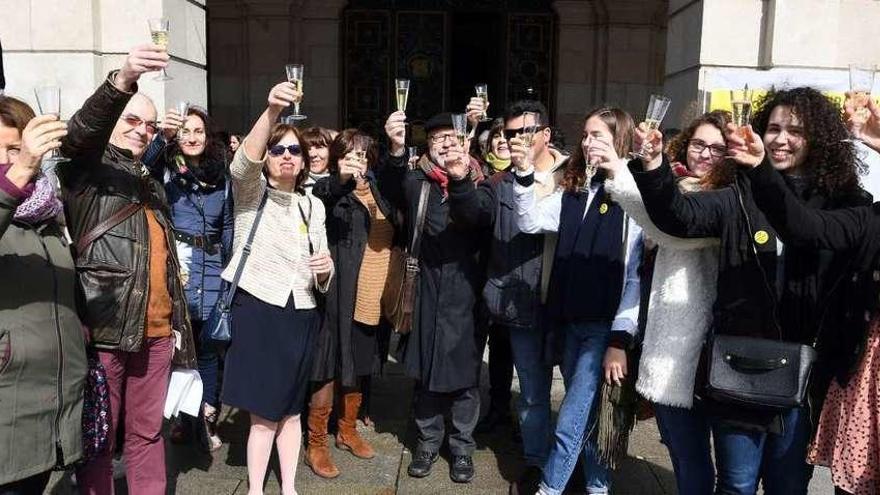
(228, 53)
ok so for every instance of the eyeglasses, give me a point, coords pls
(278, 150)
(135, 121)
(439, 138)
(717, 151)
(512, 133)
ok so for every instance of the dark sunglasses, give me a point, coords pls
(278, 150)
(135, 121)
(512, 133)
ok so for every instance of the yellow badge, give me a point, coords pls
(603, 208)
(761, 237)
(303, 228)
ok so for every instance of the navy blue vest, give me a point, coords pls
(588, 267)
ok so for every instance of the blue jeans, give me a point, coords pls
(535, 379)
(208, 360)
(743, 457)
(585, 345)
(686, 432)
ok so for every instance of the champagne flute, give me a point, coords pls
(295, 76)
(181, 108)
(861, 82)
(483, 93)
(459, 123)
(412, 152)
(49, 101)
(159, 31)
(657, 107)
(401, 90)
(529, 130)
(741, 104)
(361, 155)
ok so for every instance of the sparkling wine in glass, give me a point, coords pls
(49, 101)
(361, 155)
(459, 123)
(159, 31)
(529, 130)
(657, 107)
(483, 93)
(401, 91)
(412, 152)
(182, 107)
(861, 82)
(741, 104)
(295, 77)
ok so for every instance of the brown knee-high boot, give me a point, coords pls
(348, 437)
(318, 452)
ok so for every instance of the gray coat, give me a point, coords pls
(42, 349)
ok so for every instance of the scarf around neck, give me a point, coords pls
(41, 205)
(439, 175)
(498, 164)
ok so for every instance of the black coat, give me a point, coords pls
(348, 227)
(854, 232)
(443, 350)
(809, 298)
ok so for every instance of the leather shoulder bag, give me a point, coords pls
(218, 326)
(398, 298)
(759, 373)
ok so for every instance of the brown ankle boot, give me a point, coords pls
(318, 452)
(348, 437)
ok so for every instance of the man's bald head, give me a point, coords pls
(137, 125)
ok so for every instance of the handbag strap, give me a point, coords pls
(420, 220)
(245, 252)
(769, 288)
(305, 219)
(105, 225)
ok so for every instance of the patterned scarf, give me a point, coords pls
(439, 175)
(41, 205)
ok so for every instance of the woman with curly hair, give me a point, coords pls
(680, 303)
(765, 288)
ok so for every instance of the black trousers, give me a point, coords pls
(35, 485)
(500, 369)
(463, 407)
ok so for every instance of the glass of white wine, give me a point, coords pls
(459, 123)
(531, 121)
(741, 104)
(657, 107)
(861, 82)
(295, 77)
(181, 108)
(482, 91)
(49, 101)
(361, 155)
(159, 31)
(401, 91)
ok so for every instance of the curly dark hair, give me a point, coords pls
(348, 140)
(621, 125)
(212, 163)
(720, 175)
(831, 160)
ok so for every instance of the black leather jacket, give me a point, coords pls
(113, 272)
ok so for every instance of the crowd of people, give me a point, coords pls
(724, 280)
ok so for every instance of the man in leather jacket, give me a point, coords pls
(130, 295)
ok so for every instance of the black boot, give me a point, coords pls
(462, 469)
(421, 464)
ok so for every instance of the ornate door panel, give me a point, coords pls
(530, 54)
(366, 69)
(421, 58)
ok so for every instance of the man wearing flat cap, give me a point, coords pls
(442, 351)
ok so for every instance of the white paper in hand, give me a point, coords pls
(184, 393)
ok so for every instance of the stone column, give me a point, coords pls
(75, 43)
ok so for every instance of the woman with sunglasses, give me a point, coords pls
(768, 289)
(680, 303)
(600, 244)
(274, 315)
(360, 233)
(191, 161)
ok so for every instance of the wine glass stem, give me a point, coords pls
(296, 108)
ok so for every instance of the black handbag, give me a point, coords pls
(756, 372)
(218, 326)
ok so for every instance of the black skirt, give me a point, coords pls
(270, 357)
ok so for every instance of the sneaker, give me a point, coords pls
(528, 482)
(421, 464)
(462, 469)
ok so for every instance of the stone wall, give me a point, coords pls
(75, 43)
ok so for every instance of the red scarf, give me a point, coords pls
(439, 175)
